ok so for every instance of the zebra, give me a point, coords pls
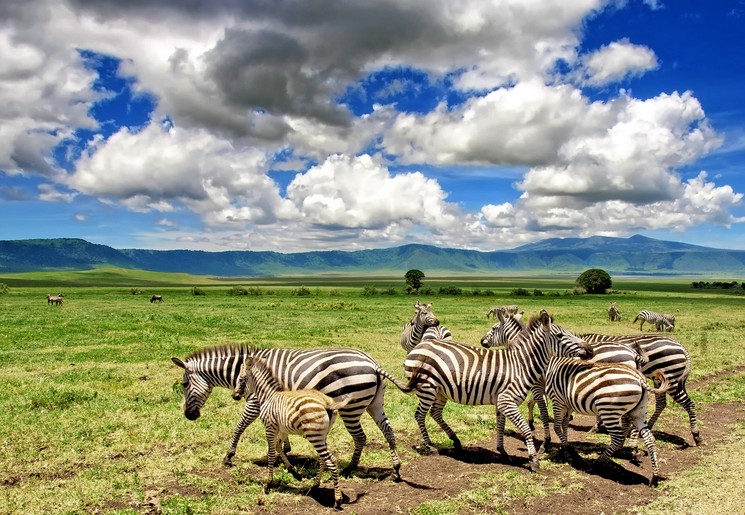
(55, 299)
(505, 310)
(424, 325)
(508, 328)
(445, 370)
(670, 356)
(659, 321)
(617, 394)
(156, 298)
(614, 315)
(306, 412)
(337, 372)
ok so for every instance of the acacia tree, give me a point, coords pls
(413, 280)
(595, 280)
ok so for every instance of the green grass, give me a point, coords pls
(90, 399)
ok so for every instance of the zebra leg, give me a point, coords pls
(351, 421)
(649, 441)
(436, 412)
(617, 437)
(500, 436)
(509, 408)
(325, 457)
(376, 411)
(286, 461)
(659, 404)
(250, 413)
(540, 398)
(426, 398)
(561, 424)
(680, 395)
(271, 457)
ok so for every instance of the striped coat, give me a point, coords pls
(337, 372)
(423, 323)
(617, 394)
(305, 412)
(444, 371)
(660, 321)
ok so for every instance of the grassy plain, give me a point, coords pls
(90, 399)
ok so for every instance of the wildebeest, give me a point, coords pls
(156, 298)
(54, 299)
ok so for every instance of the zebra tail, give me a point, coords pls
(642, 357)
(406, 388)
(337, 405)
(661, 382)
(635, 319)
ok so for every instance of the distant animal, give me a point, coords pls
(55, 299)
(505, 310)
(424, 325)
(660, 322)
(305, 412)
(156, 298)
(337, 372)
(614, 315)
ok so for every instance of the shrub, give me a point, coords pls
(369, 291)
(136, 291)
(237, 290)
(197, 291)
(520, 292)
(450, 290)
(537, 293)
(389, 291)
(334, 293)
(301, 291)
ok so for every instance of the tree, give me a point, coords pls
(595, 280)
(414, 280)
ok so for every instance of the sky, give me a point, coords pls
(355, 124)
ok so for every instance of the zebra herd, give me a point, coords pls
(586, 373)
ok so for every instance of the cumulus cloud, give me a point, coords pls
(615, 62)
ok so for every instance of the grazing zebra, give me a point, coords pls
(55, 299)
(659, 321)
(617, 394)
(305, 412)
(442, 371)
(156, 298)
(505, 310)
(603, 352)
(614, 315)
(337, 372)
(663, 353)
(424, 325)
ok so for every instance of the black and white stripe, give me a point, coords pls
(505, 310)
(442, 371)
(424, 325)
(614, 315)
(305, 412)
(672, 358)
(616, 394)
(337, 372)
(660, 321)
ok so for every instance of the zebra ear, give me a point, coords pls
(545, 318)
(179, 363)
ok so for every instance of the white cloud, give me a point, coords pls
(616, 61)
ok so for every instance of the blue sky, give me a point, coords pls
(293, 126)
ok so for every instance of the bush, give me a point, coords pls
(136, 291)
(369, 291)
(197, 291)
(334, 293)
(537, 293)
(301, 292)
(389, 291)
(520, 292)
(237, 290)
(450, 290)
(483, 293)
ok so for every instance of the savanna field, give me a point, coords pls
(90, 398)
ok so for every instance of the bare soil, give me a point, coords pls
(616, 488)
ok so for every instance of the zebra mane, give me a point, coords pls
(532, 324)
(222, 350)
(265, 372)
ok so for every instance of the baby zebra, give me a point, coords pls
(617, 394)
(305, 412)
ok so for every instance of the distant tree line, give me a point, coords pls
(720, 285)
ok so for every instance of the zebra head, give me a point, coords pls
(503, 331)
(563, 342)
(424, 316)
(196, 389)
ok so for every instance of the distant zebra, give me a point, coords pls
(659, 321)
(156, 298)
(424, 325)
(55, 299)
(617, 394)
(614, 315)
(670, 356)
(505, 310)
(337, 372)
(442, 371)
(305, 412)
(603, 352)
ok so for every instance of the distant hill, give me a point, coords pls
(637, 255)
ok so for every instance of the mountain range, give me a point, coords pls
(637, 255)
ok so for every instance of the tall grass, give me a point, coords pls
(90, 399)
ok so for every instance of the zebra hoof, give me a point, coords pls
(655, 480)
(697, 439)
(227, 461)
(535, 466)
(347, 471)
(397, 473)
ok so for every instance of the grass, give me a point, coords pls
(91, 400)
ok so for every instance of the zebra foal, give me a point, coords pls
(337, 372)
(444, 370)
(617, 394)
(301, 412)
